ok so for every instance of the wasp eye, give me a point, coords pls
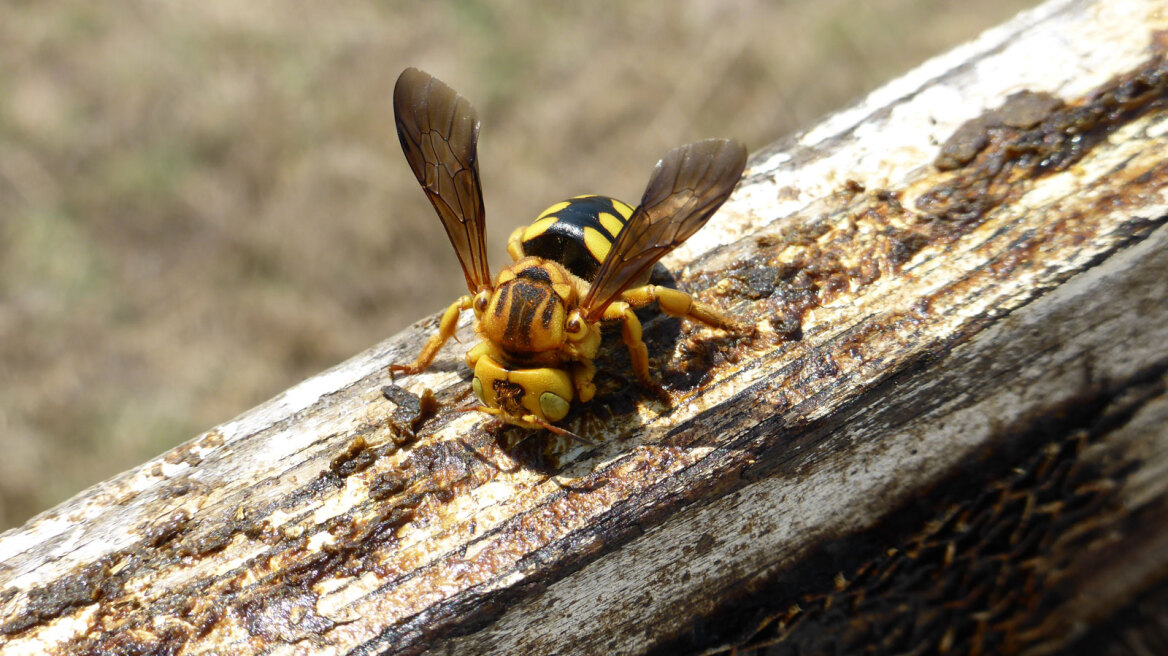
(554, 407)
(481, 301)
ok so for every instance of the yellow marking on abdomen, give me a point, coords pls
(552, 210)
(596, 243)
(612, 224)
(539, 227)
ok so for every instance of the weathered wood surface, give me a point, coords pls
(950, 433)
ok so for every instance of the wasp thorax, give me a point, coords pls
(525, 314)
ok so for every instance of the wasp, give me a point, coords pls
(582, 264)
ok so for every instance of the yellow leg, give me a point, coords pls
(582, 374)
(445, 331)
(476, 352)
(678, 304)
(638, 353)
(515, 244)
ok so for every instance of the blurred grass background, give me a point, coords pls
(203, 203)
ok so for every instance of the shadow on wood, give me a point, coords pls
(948, 436)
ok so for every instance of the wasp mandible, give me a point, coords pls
(582, 263)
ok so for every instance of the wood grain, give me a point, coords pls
(950, 425)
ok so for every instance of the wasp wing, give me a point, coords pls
(439, 132)
(688, 185)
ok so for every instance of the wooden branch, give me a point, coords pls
(948, 436)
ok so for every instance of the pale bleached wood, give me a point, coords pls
(316, 523)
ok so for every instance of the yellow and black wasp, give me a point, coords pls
(584, 262)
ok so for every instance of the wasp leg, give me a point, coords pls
(582, 373)
(445, 331)
(638, 353)
(678, 304)
(515, 244)
(476, 352)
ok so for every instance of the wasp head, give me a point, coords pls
(525, 397)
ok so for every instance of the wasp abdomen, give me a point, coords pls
(577, 233)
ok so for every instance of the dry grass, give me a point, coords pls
(203, 203)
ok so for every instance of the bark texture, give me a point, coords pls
(949, 435)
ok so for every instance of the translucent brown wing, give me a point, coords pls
(439, 132)
(688, 185)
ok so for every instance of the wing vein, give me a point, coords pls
(687, 186)
(438, 130)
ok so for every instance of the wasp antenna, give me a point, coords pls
(560, 431)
